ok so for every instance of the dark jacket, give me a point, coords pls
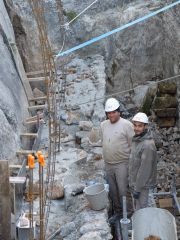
(143, 162)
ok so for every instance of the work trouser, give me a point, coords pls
(146, 199)
(142, 201)
(117, 177)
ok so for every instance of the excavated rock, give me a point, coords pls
(141, 53)
(13, 100)
(165, 104)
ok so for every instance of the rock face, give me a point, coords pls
(145, 51)
(12, 96)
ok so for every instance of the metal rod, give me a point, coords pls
(124, 221)
(162, 193)
(41, 189)
(124, 208)
(31, 237)
(176, 201)
(54, 234)
(172, 194)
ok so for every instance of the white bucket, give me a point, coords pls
(96, 196)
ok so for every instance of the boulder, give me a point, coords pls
(167, 87)
(57, 191)
(67, 229)
(168, 112)
(85, 125)
(73, 202)
(165, 102)
(166, 122)
(79, 136)
(148, 99)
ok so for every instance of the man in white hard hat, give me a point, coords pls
(117, 134)
(142, 162)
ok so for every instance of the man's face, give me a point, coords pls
(139, 127)
(113, 116)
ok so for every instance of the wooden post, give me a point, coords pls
(5, 203)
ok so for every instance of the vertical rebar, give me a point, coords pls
(41, 202)
(51, 85)
(124, 221)
(31, 220)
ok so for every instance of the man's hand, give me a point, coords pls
(136, 195)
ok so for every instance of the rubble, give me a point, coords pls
(89, 169)
(79, 162)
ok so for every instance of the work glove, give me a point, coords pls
(136, 195)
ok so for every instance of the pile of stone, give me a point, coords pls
(165, 104)
(80, 161)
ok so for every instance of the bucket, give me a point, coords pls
(96, 196)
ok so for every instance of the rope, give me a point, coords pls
(129, 90)
(66, 25)
(64, 39)
(96, 39)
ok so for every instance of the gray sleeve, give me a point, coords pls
(146, 167)
(130, 133)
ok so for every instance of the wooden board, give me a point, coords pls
(31, 135)
(165, 203)
(19, 180)
(38, 99)
(24, 152)
(5, 203)
(38, 79)
(35, 73)
(30, 123)
(36, 107)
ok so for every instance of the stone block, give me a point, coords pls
(167, 112)
(70, 191)
(168, 87)
(166, 122)
(85, 125)
(57, 191)
(165, 102)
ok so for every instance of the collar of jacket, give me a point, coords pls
(146, 134)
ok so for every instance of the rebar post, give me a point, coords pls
(124, 221)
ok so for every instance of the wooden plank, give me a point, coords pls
(35, 72)
(31, 135)
(38, 79)
(29, 119)
(33, 118)
(24, 152)
(5, 202)
(30, 123)
(20, 180)
(165, 203)
(38, 99)
(16, 166)
(36, 107)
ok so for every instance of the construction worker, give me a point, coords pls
(142, 162)
(117, 134)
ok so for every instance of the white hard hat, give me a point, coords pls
(140, 117)
(111, 105)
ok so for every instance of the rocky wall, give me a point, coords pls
(12, 95)
(146, 51)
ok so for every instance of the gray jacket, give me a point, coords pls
(142, 162)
